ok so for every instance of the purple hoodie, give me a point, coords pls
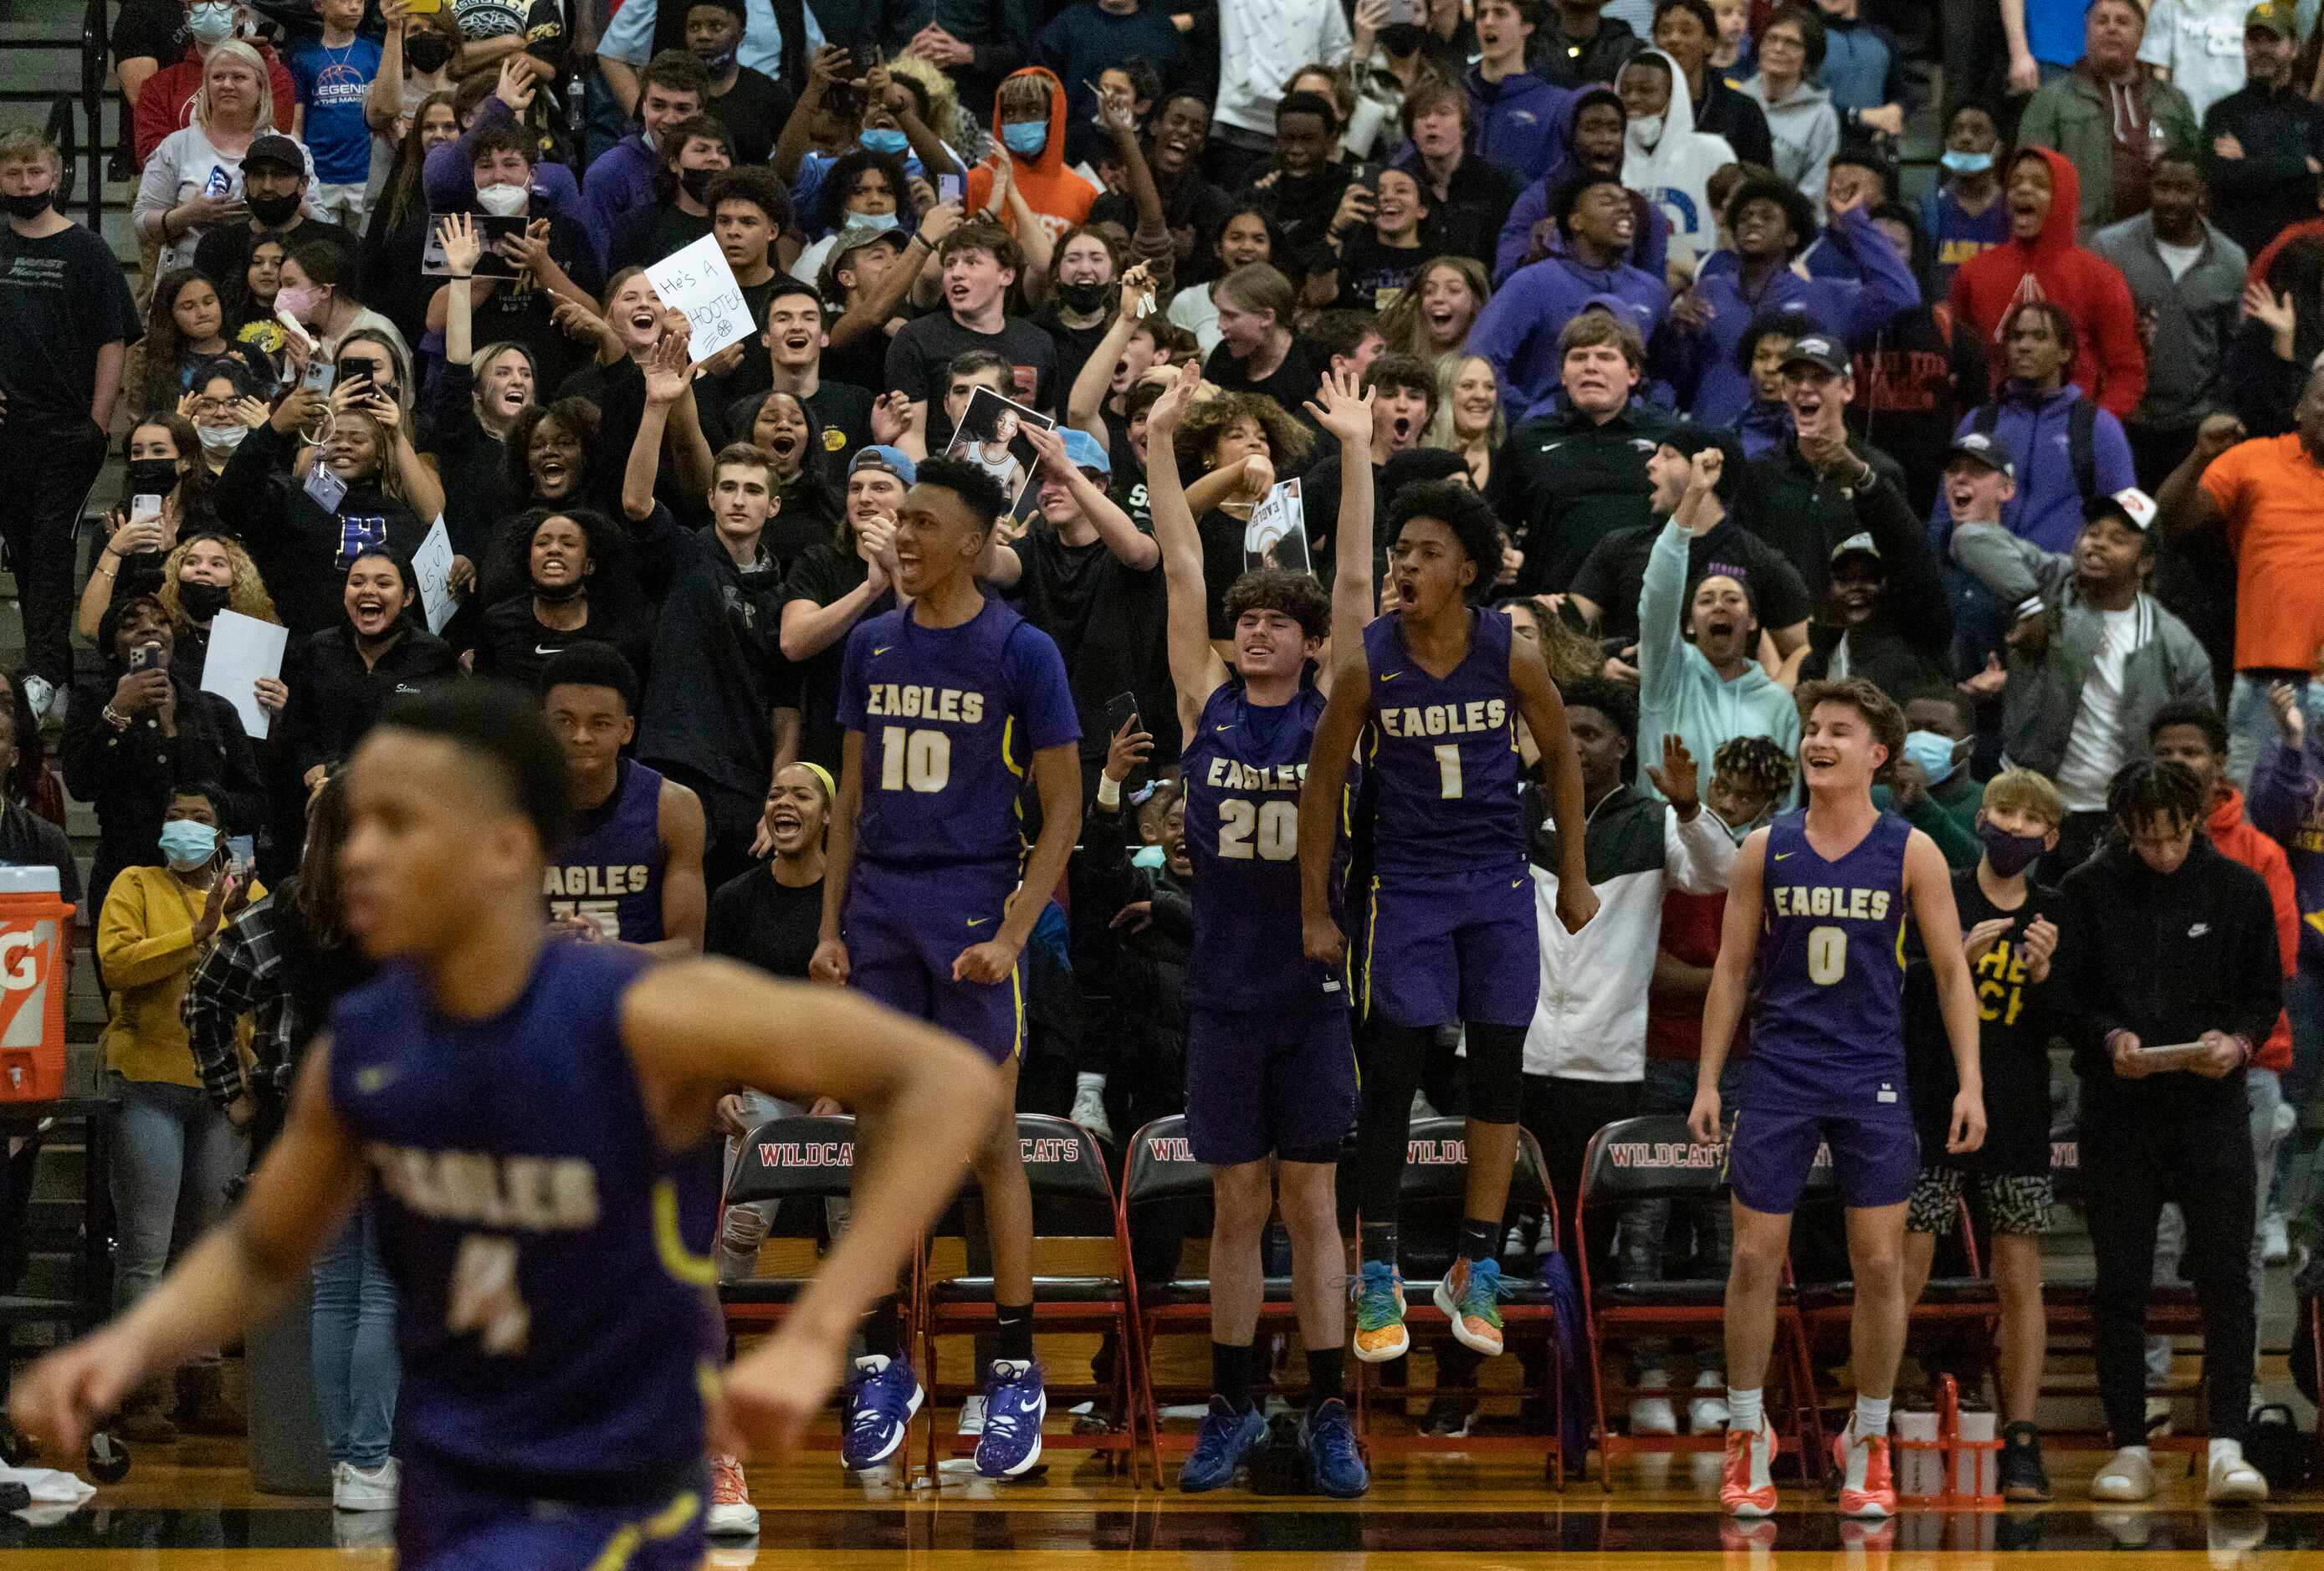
(1517, 331)
(2286, 802)
(1650, 247)
(449, 181)
(1520, 121)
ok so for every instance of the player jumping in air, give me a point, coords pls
(537, 1116)
(948, 701)
(1434, 689)
(1270, 1059)
(1819, 900)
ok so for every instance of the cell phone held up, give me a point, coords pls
(1120, 710)
(144, 658)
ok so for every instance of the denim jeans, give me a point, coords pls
(353, 1330)
(172, 1159)
(2251, 721)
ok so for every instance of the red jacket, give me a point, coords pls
(2306, 230)
(2110, 365)
(166, 102)
(2233, 834)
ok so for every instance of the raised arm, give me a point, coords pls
(791, 143)
(1341, 723)
(1346, 411)
(2185, 503)
(462, 252)
(880, 302)
(1731, 984)
(666, 383)
(1086, 400)
(1196, 669)
(1130, 546)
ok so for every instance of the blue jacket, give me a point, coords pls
(2287, 802)
(1517, 331)
(1649, 246)
(1520, 121)
(1763, 428)
(2035, 430)
(1856, 311)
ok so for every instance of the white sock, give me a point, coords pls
(2232, 1450)
(1871, 1416)
(1743, 1409)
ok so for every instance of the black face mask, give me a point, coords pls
(428, 52)
(151, 476)
(202, 601)
(274, 212)
(31, 207)
(1083, 297)
(695, 182)
(1403, 38)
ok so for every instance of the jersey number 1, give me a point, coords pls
(921, 760)
(1448, 770)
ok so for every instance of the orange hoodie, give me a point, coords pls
(1059, 198)
(2237, 836)
(2110, 363)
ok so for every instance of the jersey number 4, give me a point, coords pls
(1277, 824)
(920, 759)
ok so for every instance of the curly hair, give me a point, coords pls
(576, 415)
(1757, 764)
(1196, 443)
(615, 577)
(1460, 510)
(840, 183)
(245, 589)
(1295, 594)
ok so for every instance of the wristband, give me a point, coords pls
(1108, 792)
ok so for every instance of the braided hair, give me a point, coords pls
(2143, 791)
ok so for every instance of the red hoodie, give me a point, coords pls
(2235, 835)
(2110, 365)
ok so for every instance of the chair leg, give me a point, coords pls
(1144, 1403)
(1598, 1401)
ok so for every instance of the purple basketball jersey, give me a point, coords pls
(1444, 753)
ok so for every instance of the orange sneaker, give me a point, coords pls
(1379, 1334)
(1867, 1488)
(1745, 1489)
(1470, 1295)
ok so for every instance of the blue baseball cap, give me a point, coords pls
(1085, 451)
(890, 460)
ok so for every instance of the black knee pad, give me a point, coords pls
(1495, 1073)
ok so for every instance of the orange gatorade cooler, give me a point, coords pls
(35, 972)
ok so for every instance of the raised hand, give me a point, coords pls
(1171, 408)
(2290, 718)
(666, 370)
(462, 249)
(1135, 283)
(1345, 409)
(1679, 778)
(940, 221)
(2216, 434)
(530, 250)
(1049, 449)
(515, 87)
(1128, 750)
(1984, 936)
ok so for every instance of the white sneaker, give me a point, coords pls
(2128, 1478)
(1653, 1415)
(1706, 1414)
(972, 1415)
(2233, 1480)
(2275, 1239)
(355, 1488)
(732, 1515)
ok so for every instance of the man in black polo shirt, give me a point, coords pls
(796, 337)
(1568, 478)
(1605, 589)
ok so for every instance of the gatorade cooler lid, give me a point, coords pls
(28, 881)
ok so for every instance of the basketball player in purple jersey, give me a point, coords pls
(535, 1113)
(1819, 900)
(1434, 689)
(1270, 1062)
(947, 701)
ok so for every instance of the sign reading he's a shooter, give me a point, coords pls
(697, 281)
(1276, 535)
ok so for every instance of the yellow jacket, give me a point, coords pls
(145, 942)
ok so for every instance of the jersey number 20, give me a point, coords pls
(1277, 824)
(921, 760)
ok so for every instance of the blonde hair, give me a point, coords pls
(245, 590)
(943, 98)
(234, 49)
(1440, 432)
(2022, 791)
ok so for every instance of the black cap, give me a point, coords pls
(277, 149)
(1816, 349)
(1980, 449)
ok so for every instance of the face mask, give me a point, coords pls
(884, 139)
(202, 601)
(695, 182)
(221, 439)
(877, 223)
(211, 23)
(186, 843)
(28, 207)
(2010, 854)
(1149, 857)
(1966, 162)
(299, 300)
(1083, 297)
(1403, 38)
(503, 202)
(1026, 138)
(1647, 130)
(1933, 752)
(151, 476)
(428, 52)
(274, 212)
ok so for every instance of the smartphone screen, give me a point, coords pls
(241, 850)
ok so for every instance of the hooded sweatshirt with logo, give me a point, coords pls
(1649, 244)
(2110, 363)
(1674, 171)
(1058, 197)
(1520, 120)
(1518, 329)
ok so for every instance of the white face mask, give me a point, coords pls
(503, 201)
(222, 439)
(1647, 130)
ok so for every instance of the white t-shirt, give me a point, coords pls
(2179, 258)
(2094, 746)
(2201, 43)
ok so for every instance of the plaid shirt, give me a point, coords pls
(241, 975)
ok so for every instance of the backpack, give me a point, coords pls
(2273, 1444)
(2082, 445)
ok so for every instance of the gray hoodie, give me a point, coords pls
(1806, 129)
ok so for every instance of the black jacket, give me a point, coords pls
(1563, 483)
(296, 543)
(2168, 957)
(1804, 514)
(335, 698)
(2256, 197)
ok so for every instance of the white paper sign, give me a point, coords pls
(243, 648)
(696, 280)
(432, 565)
(1277, 534)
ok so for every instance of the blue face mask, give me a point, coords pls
(1933, 753)
(1026, 138)
(187, 842)
(882, 139)
(1966, 162)
(210, 22)
(876, 222)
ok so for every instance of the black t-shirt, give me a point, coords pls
(918, 354)
(763, 923)
(61, 299)
(863, 362)
(515, 645)
(753, 111)
(650, 234)
(522, 310)
(822, 574)
(150, 30)
(841, 411)
(1292, 385)
(29, 840)
(2012, 1039)
(223, 254)
(1108, 620)
(1074, 345)
(718, 673)
(1614, 573)
(1371, 275)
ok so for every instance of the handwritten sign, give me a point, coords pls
(432, 565)
(242, 650)
(697, 281)
(1276, 535)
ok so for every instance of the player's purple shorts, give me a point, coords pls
(444, 1524)
(1263, 1082)
(1769, 1156)
(1463, 947)
(905, 926)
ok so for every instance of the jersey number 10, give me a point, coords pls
(921, 760)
